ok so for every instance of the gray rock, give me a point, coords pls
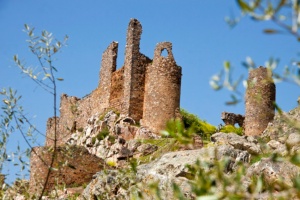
(293, 140)
(144, 133)
(109, 184)
(276, 173)
(146, 149)
(132, 145)
(247, 143)
(277, 147)
(282, 126)
(110, 119)
(171, 167)
(125, 131)
(124, 153)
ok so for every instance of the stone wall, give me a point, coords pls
(73, 166)
(260, 99)
(162, 89)
(117, 90)
(125, 89)
(140, 89)
(108, 66)
(134, 73)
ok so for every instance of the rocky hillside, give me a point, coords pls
(143, 165)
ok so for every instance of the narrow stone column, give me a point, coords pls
(260, 98)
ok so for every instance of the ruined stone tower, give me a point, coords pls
(144, 89)
(260, 98)
(162, 89)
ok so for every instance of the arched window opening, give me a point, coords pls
(164, 53)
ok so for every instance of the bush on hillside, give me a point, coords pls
(232, 129)
(199, 126)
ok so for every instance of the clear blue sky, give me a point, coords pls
(201, 42)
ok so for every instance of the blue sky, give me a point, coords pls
(201, 39)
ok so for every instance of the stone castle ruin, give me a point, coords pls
(146, 90)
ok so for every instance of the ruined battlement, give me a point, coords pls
(146, 90)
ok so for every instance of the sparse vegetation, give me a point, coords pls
(199, 126)
(164, 145)
(232, 129)
(102, 134)
(80, 129)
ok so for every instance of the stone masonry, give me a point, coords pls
(147, 91)
(144, 89)
(232, 119)
(73, 165)
(162, 89)
(260, 99)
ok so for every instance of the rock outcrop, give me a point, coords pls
(170, 168)
(108, 138)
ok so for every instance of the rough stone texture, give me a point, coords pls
(73, 165)
(232, 119)
(274, 172)
(117, 88)
(171, 167)
(117, 145)
(260, 98)
(247, 143)
(140, 89)
(110, 185)
(162, 89)
(108, 66)
(277, 147)
(283, 125)
(50, 130)
(282, 134)
(134, 72)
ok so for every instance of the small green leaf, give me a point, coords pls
(244, 6)
(227, 65)
(20, 120)
(27, 27)
(54, 69)
(60, 79)
(15, 58)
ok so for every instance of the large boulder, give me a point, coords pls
(247, 143)
(279, 174)
(283, 125)
(171, 167)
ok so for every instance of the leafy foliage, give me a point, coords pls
(44, 47)
(285, 15)
(232, 129)
(191, 121)
(102, 134)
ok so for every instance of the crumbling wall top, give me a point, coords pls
(160, 47)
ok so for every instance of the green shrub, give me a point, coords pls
(232, 129)
(80, 129)
(199, 126)
(102, 134)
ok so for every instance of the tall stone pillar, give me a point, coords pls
(260, 98)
